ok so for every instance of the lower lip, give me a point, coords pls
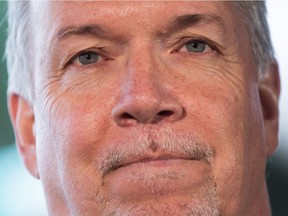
(144, 179)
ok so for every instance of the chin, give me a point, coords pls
(204, 204)
(165, 206)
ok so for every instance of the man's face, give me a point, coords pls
(146, 109)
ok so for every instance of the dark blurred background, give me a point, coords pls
(15, 183)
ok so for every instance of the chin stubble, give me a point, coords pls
(205, 205)
(160, 140)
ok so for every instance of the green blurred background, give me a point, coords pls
(278, 171)
(6, 132)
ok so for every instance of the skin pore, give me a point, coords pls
(140, 114)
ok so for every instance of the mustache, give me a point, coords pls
(150, 142)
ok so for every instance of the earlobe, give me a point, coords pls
(269, 91)
(22, 117)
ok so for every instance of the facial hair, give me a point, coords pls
(164, 140)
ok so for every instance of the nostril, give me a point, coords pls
(165, 113)
(132, 113)
(127, 116)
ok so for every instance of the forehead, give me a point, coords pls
(135, 15)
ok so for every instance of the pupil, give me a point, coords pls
(88, 56)
(196, 46)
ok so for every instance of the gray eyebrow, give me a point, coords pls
(185, 21)
(175, 24)
(95, 30)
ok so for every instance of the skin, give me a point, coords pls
(150, 128)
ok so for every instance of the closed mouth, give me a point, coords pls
(167, 159)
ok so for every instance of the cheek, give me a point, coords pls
(239, 167)
(73, 114)
(227, 115)
(70, 130)
(73, 129)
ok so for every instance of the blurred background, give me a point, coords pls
(22, 195)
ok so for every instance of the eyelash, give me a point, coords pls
(88, 51)
(185, 40)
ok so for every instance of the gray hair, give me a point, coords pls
(19, 50)
(254, 14)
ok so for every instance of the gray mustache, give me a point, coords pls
(149, 142)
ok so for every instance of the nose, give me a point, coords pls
(144, 99)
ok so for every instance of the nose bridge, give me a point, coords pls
(142, 71)
(143, 96)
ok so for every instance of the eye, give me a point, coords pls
(196, 46)
(86, 58)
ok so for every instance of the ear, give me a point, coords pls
(22, 117)
(269, 89)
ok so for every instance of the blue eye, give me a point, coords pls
(87, 58)
(196, 46)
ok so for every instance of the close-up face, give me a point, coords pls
(147, 108)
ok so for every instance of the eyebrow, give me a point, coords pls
(175, 24)
(69, 31)
(179, 23)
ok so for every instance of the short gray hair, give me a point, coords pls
(254, 14)
(19, 48)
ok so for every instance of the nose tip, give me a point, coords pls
(146, 111)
